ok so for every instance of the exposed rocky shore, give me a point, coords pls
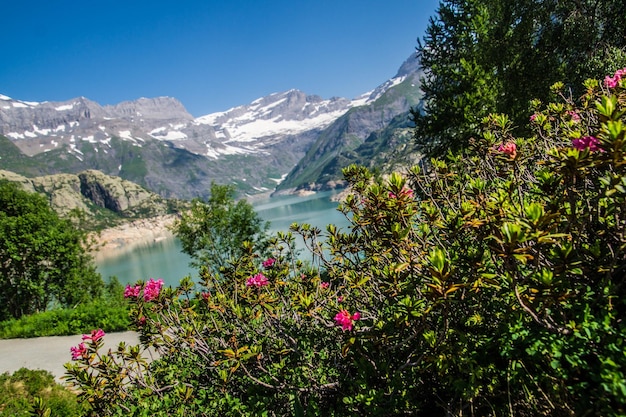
(113, 241)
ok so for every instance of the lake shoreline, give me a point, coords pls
(115, 241)
(149, 249)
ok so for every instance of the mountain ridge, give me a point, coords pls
(158, 144)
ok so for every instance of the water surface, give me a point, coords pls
(164, 259)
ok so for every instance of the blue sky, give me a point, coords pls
(211, 55)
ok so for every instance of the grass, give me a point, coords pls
(68, 321)
(109, 313)
(20, 392)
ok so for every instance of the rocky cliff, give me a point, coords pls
(105, 200)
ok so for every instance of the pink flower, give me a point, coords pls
(345, 320)
(533, 117)
(587, 142)
(78, 352)
(94, 336)
(574, 116)
(612, 82)
(268, 263)
(324, 285)
(258, 280)
(152, 289)
(206, 295)
(340, 299)
(132, 291)
(509, 148)
(141, 320)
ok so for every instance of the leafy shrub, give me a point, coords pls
(25, 391)
(489, 283)
(109, 312)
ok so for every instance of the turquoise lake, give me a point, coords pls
(165, 260)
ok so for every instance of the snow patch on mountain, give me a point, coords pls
(253, 129)
(65, 107)
(163, 133)
(288, 113)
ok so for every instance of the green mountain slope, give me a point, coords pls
(344, 141)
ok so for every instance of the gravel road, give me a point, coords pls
(50, 353)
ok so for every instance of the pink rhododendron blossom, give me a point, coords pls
(573, 115)
(612, 82)
(509, 148)
(78, 352)
(268, 263)
(324, 285)
(132, 291)
(257, 280)
(533, 117)
(141, 320)
(94, 336)
(152, 289)
(345, 320)
(206, 295)
(587, 142)
(340, 299)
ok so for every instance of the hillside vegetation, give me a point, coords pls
(490, 282)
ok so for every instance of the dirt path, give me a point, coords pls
(50, 353)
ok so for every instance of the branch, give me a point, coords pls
(544, 323)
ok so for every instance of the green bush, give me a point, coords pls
(489, 283)
(109, 313)
(25, 391)
(67, 321)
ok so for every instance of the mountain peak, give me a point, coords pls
(161, 108)
(410, 66)
(157, 142)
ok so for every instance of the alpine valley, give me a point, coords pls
(284, 142)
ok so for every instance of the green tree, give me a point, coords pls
(213, 232)
(486, 56)
(459, 87)
(43, 260)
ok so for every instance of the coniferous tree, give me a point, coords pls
(485, 56)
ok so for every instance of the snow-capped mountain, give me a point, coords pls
(39, 127)
(156, 142)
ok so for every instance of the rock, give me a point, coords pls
(25, 183)
(110, 192)
(94, 193)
